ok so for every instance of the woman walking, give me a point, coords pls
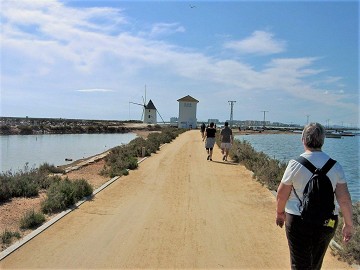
(307, 240)
(210, 140)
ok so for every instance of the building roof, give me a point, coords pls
(188, 99)
(150, 106)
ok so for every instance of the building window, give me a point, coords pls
(187, 104)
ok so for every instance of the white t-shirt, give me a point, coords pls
(298, 176)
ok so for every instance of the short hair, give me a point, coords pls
(211, 124)
(226, 124)
(313, 135)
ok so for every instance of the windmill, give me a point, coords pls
(149, 112)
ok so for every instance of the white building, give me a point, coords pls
(150, 113)
(187, 112)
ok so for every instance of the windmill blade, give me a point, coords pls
(160, 116)
(137, 103)
(142, 115)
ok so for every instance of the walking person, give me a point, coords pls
(307, 240)
(202, 130)
(209, 139)
(226, 137)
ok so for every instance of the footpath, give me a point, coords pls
(177, 210)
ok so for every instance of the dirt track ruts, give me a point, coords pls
(177, 210)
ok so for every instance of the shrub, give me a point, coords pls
(4, 188)
(82, 189)
(46, 168)
(6, 236)
(32, 220)
(65, 193)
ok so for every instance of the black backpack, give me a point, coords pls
(317, 204)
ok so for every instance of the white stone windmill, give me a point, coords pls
(149, 112)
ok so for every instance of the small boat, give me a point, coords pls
(333, 135)
(349, 134)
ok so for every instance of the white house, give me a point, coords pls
(187, 112)
(150, 113)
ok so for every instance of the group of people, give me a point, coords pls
(307, 242)
(226, 137)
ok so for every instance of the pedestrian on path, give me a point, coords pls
(209, 139)
(202, 130)
(226, 137)
(308, 241)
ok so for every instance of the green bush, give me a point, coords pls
(26, 182)
(46, 168)
(81, 189)
(5, 193)
(65, 193)
(32, 220)
(6, 236)
(60, 196)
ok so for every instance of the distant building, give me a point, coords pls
(187, 112)
(173, 120)
(150, 113)
(215, 121)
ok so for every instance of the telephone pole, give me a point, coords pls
(264, 117)
(231, 102)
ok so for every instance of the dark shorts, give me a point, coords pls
(307, 242)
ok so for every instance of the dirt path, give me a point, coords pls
(178, 210)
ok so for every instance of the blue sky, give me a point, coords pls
(88, 59)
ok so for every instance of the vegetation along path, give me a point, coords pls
(177, 210)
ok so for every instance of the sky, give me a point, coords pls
(295, 60)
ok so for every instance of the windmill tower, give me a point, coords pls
(149, 113)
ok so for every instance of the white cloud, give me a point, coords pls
(260, 42)
(159, 29)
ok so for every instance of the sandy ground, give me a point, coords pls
(177, 210)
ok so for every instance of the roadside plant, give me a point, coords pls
(6, 236)
(65, 193)
(32, 219)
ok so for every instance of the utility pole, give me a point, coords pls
(264, 117)
(231, 102)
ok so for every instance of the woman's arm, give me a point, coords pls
(282, 196)
(343, 198)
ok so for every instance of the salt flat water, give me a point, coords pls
(17, 150)
(284, 147)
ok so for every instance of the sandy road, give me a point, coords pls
(177, 210)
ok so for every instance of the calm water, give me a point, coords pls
(287, 146)
(17, 150)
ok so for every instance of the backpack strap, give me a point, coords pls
(328, 165)
(305, 162)
(325, 169)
